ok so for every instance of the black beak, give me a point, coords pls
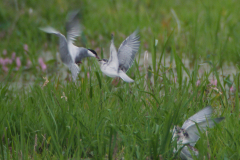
(97, 57)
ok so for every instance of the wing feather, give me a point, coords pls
(63, 46)
(198, 117)
(193, 131)
(73, 26)
(113, 60)
(128, 50)
(64, 52)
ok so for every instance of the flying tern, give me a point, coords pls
(188, 134)
(69, 53)
(120, 61)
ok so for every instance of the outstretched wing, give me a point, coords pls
(193, 131)
(186, 154)
(198, 117)
(63, 46)
(113, 60)
(73, 26)
(64, 52)
(128, 50)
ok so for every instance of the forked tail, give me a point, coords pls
(74, 70)
(125, 77)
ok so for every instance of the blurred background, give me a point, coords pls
(201, 31)
(192, 61)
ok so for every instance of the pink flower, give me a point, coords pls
(198, 82)
(140, 68)
(232, 89)
(88, 75)
(93, 43)
(5, 68)
(25, 46)
(8, 61)
(5, 61)
(18, 62)
(29, 63)
(98, 50)
(146, 45)
(13, 55)
(4, 52)
(2, 62)
(42, 64)
(175, 79)
(214, 82)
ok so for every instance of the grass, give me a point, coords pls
(100, 119)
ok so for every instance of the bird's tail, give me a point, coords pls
(74, 70)
(125, 77)
(49, 30)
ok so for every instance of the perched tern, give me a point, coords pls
(69, 53)
(120, 61)
(188, 134)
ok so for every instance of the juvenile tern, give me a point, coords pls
(69, 53)
(188, 134)
(120, 61)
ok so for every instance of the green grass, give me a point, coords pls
(102, 120)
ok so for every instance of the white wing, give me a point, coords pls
(113, 60)
(198, 117)
(128, 50)
(50, 30)
(193, 132)
(186, 154)
(73, 26)
(64, 52)
(203, 120)
(63, 46)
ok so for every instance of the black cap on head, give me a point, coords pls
(94, 52)
(105, 60)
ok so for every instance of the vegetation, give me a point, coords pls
(102, 118)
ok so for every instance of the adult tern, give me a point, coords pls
(120, 61)
(69, 53)
(188, 134)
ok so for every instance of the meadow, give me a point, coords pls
(188, 59)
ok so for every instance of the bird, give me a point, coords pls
(187, 135)
(70, 54)
(120, 61)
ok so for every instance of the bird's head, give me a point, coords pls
(179, 133)
(102, 61)
(92, 53)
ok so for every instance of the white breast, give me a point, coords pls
(73, 50)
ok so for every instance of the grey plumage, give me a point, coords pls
(188, 134)
(73, 27)
(69, 53)
(185, 153)
(119, 62)
(128, 50)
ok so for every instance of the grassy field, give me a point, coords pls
(98, 118)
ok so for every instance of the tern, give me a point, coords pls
(120, 61)
(188, 134)
(69, 53)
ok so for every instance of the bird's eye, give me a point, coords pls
(185, 134)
